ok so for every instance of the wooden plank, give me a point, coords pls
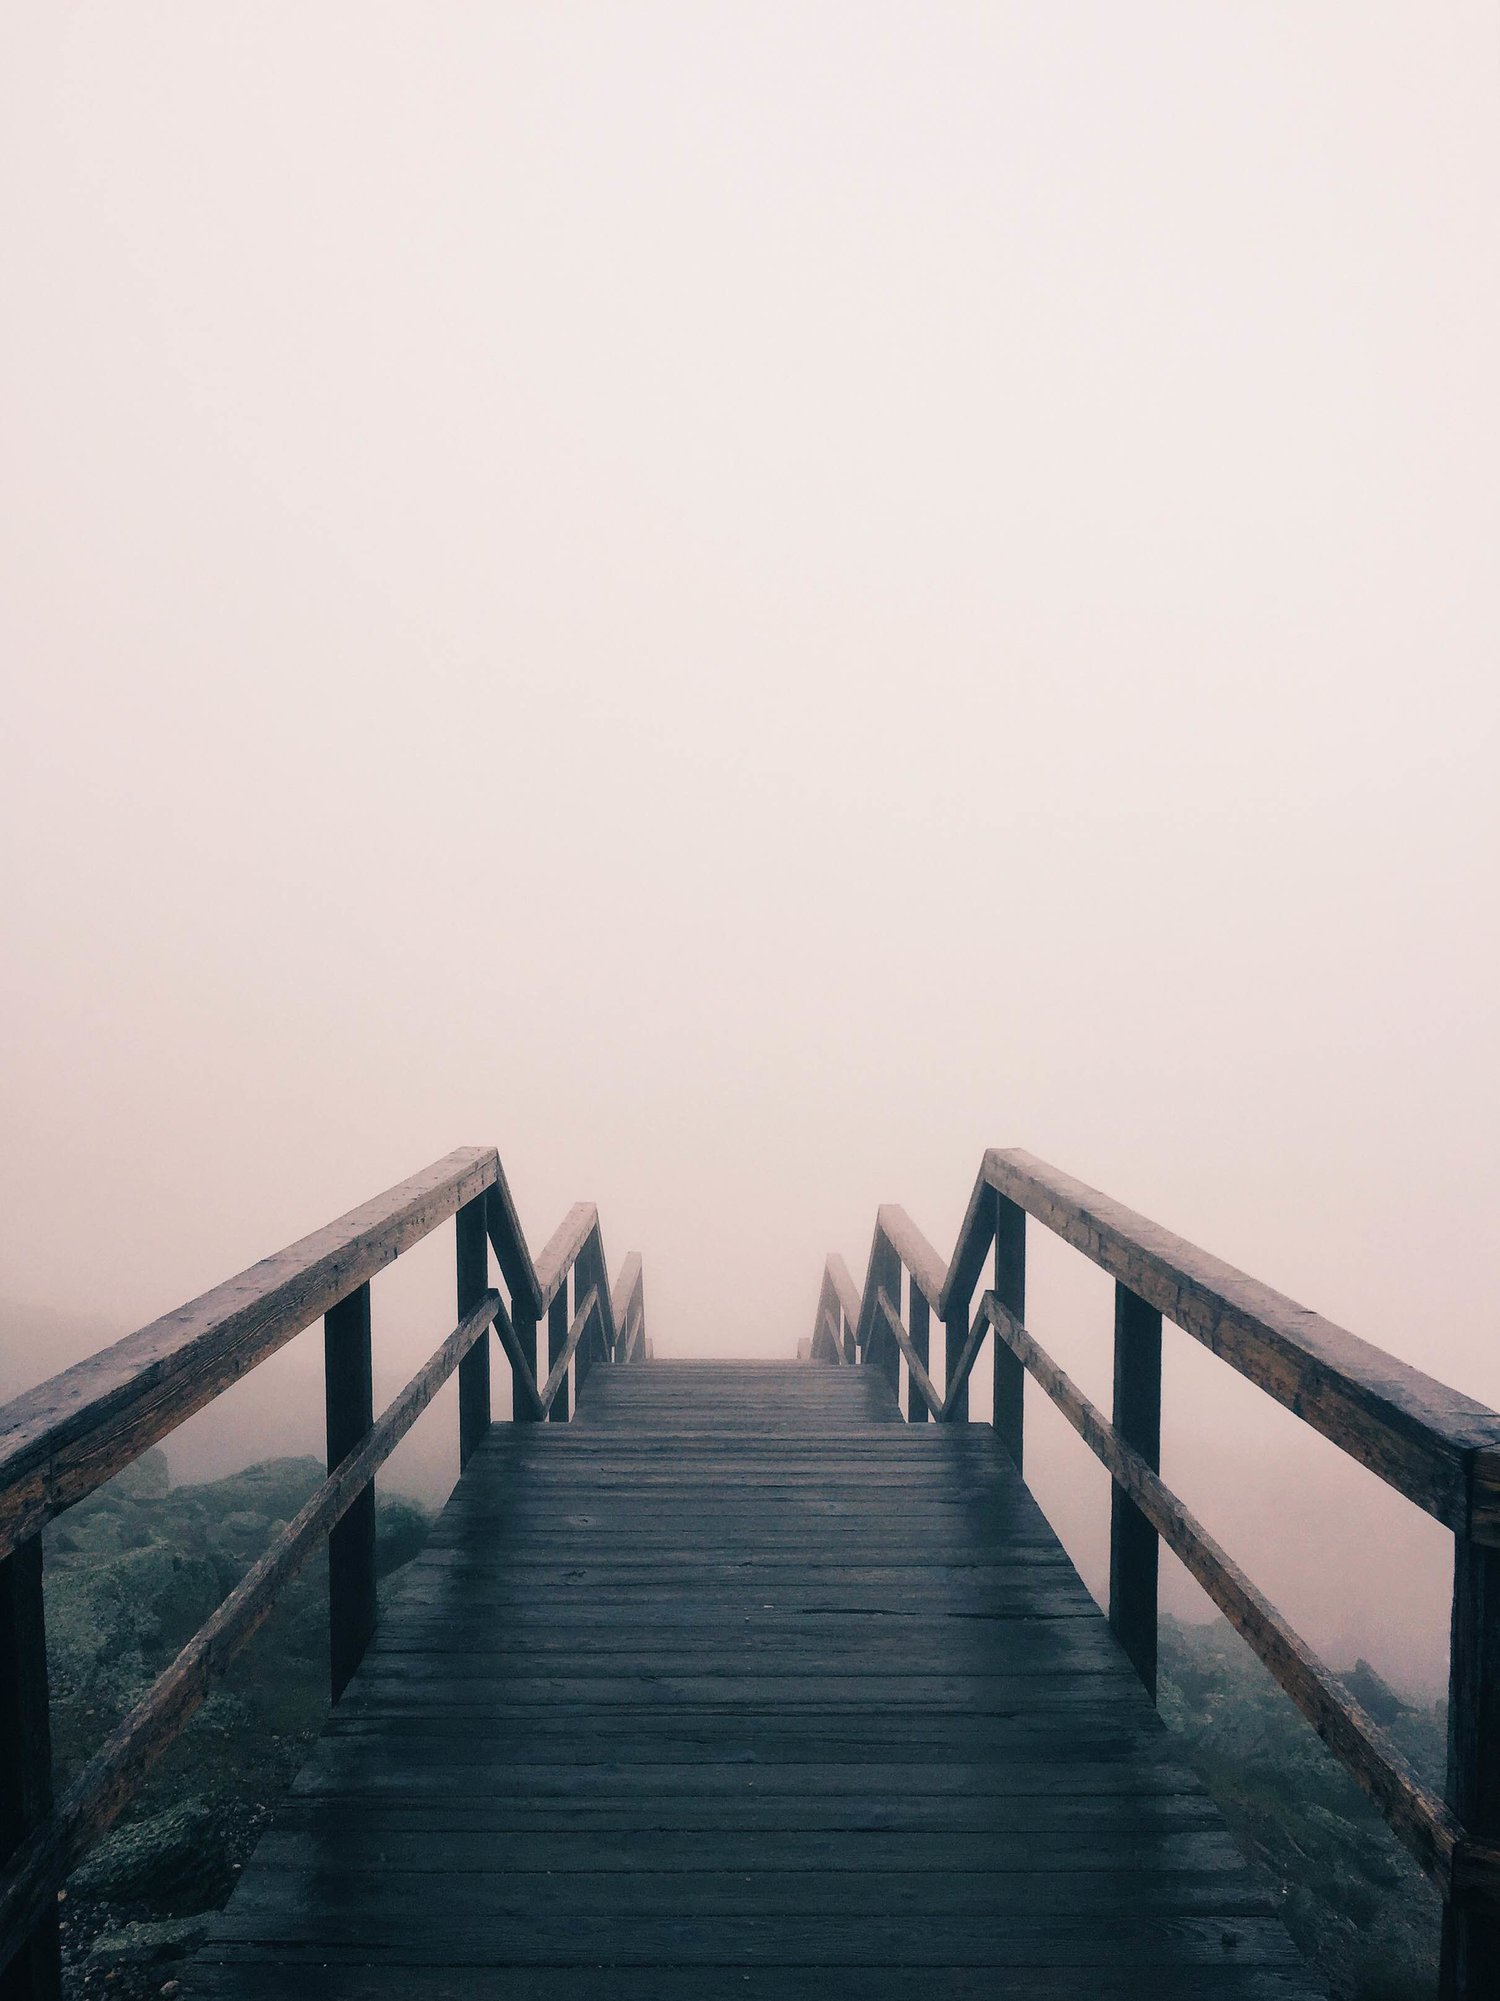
(928, 1271)
(349, 1401)
(560, 1252)
(1133, 1547)
(104, 1787)
(1420, 1436)
(1414, 1814)
(33, 1971)
(921, 1382)
(508, 1240)
(60, 1441)
(395, 1981)
(554, 1387)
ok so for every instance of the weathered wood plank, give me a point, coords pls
(1420, 1436)
(61, 1440)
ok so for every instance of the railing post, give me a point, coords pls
(525, 1326)
(1133, 1542)
(474, 1369)
(557, 1340)
(886, 1277)
(1471, 1942)
(585, 1275)
(918, 1321)
(1010, 1290)
(349, 1399)
(35, 1973)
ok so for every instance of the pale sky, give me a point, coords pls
(743, 601)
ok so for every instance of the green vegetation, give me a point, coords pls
(1353, 1899)
(131, 1573)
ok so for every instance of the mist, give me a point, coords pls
(742, 602)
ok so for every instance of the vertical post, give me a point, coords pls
(349, 1398)
(1133, 1545)
(557, 1337)
(1470, 1966)
(525, 1326)
(886, 1276)
(585, 1279)
(35, 1973)
(474, 1369)
(918, 1321)
(1010, 1290)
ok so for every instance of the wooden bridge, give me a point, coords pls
(752, 1680)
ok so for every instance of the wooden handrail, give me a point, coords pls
(68, 1436)
(1435, 1446)
(105, 1785)
(1421, 1437)
(1356, 1740)
(65, 1438)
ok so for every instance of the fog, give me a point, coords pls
(743, 601)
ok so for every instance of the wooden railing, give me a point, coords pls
(1435, 1446)
(61, 1441)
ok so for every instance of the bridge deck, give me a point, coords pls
(738, 1687)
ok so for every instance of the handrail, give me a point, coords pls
(1435, 1446)
(63, 1439)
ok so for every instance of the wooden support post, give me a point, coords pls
(586, 1269)
(918, 1321)
(1133, 1542)
(35, 1973)
(886, 1277)
(1010, 1290)
(557, 1340)
(520, 1405)
(1471, 1941)
(349, 1398)
(474, 1369)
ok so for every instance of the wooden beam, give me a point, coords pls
(105, 1785)
(921, 1381)
(1009, 1227)
(1422, 1438)
(34, 1971)
(553, 1388)
(1133, 1547)
(508, 1241)
(349, 1403)
(560, 1252)
(927, 1269)
(1470, 1965)
(65, 1438)
(473, 1276)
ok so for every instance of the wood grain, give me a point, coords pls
(63, 1439)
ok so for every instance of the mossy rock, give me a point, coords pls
(177, 1860)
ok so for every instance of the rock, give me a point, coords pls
(161, 1938)
(1375, 1695)
(177, 1860)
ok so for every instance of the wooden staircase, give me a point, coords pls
(739, 1686)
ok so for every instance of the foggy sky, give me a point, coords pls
(743, 601)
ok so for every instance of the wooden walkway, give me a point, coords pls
(739, 1686)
